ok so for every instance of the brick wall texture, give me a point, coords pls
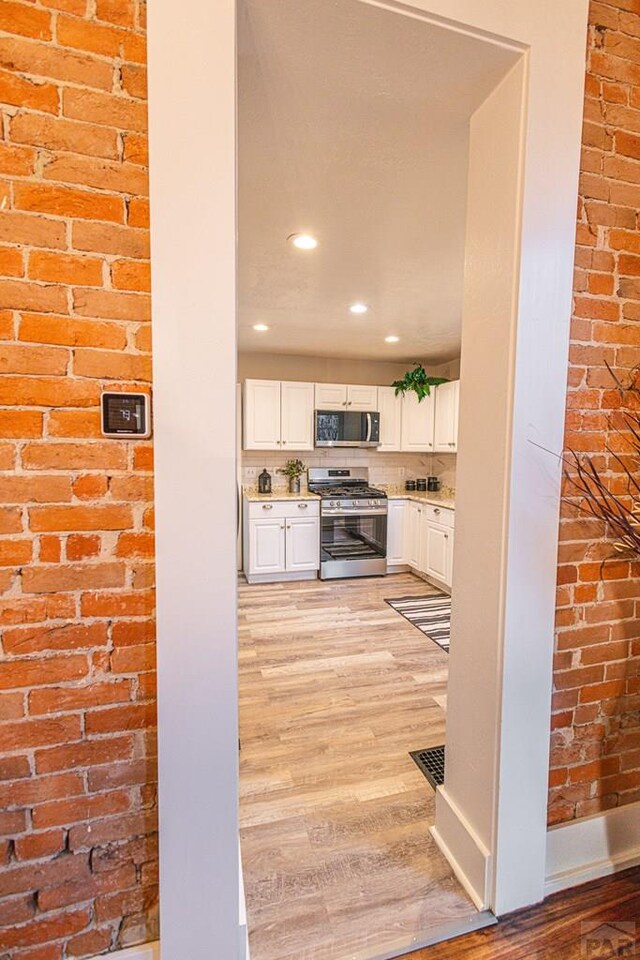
(595, 740)
(78, 842)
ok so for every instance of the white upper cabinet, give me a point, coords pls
(390, 408)
(296, 415)
(261, 415)
(331, 396)
(446, 418)
(417, 422)
(278, 416)
(362, 398)
(343, 396)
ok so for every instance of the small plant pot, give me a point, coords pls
(294, 484)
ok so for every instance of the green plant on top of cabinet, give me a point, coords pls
(278, 415)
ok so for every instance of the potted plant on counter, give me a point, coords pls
(294, 470)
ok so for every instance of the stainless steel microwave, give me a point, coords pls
(342, 428)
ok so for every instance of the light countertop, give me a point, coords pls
(253, 496)
(436, 499)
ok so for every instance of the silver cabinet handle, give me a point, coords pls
(302, 506)
(282, 526)
(267, 506)
(283, 442)
(446, 536)
(436, 509)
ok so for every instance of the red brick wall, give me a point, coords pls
(78, 848)
(595, 745)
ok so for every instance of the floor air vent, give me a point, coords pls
(430, 763)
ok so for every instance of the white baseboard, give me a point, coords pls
(144, 951)
(469, 858)
(592, 847)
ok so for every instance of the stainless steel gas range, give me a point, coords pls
(353, 523)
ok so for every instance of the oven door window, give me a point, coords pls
(354, 537)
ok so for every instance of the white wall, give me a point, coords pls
(192, 146)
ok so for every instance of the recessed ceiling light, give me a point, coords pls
(260, 327)
(358, 308)
(391, 339)
(303, 241)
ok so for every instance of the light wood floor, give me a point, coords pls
(335, 689)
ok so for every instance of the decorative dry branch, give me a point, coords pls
(592, 486)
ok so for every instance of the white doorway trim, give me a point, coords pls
(498, 752)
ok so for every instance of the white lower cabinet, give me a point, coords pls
(281, 540)
(420, 535)
(266, 546)
(302, 544)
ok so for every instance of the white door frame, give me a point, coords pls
(502, 816)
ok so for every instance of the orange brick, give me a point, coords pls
(112, 366)
(136, 149)
(110, 305)
(41, 328)
(27, 21)
(70, 756)
(80, 518)
(33, 360)
(43, 489)
(48, 392)
(67, 202)
(33, 231)
(45, 930)
(20, 295)
(50, 62)
(121, 12)
(20, 92)
(135, 545)
(117, 719)
(65, 268)
(131, 275)
(74, 456)
(60, 134)
(138, 212)
(34, 673)
(50, 549)
(36, 846)
(95, 172)
(103, 108)
(67, 812)
(134, 80)
(67, 699)
(53, 579)
(81, 547)
(11, 263)
(90, 487)
(10, 520)
(104, 238)
(20, 424)
(136, 604)
(13, 553)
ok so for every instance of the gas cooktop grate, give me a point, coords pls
(430, 762)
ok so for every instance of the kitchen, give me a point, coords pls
(351, 263)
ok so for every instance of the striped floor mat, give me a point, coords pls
(431, 614)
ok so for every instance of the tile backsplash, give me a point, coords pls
(384, 468)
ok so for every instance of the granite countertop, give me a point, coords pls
(445, 499)
(253, 496)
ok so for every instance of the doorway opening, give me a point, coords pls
(362, 159)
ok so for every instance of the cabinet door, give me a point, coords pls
(417, 422)
(261, 415)
(390, 408)
(396, 527)
(331, 396)
(362, 398)
(436, 561)
(297, 415)
(450, 541)
(446, 417)
(303, 544)
(266, 546)
(414, 523)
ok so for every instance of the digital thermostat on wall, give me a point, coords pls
(126, 415)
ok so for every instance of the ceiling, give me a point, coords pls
(353, 126)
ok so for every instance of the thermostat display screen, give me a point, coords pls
(125, 414)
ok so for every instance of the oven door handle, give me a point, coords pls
(368, 436)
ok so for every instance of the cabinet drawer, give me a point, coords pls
(438, 514)
(283, 509)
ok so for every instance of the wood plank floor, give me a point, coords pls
(335, 689)
(567, 926)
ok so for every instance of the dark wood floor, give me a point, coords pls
(568, 926)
